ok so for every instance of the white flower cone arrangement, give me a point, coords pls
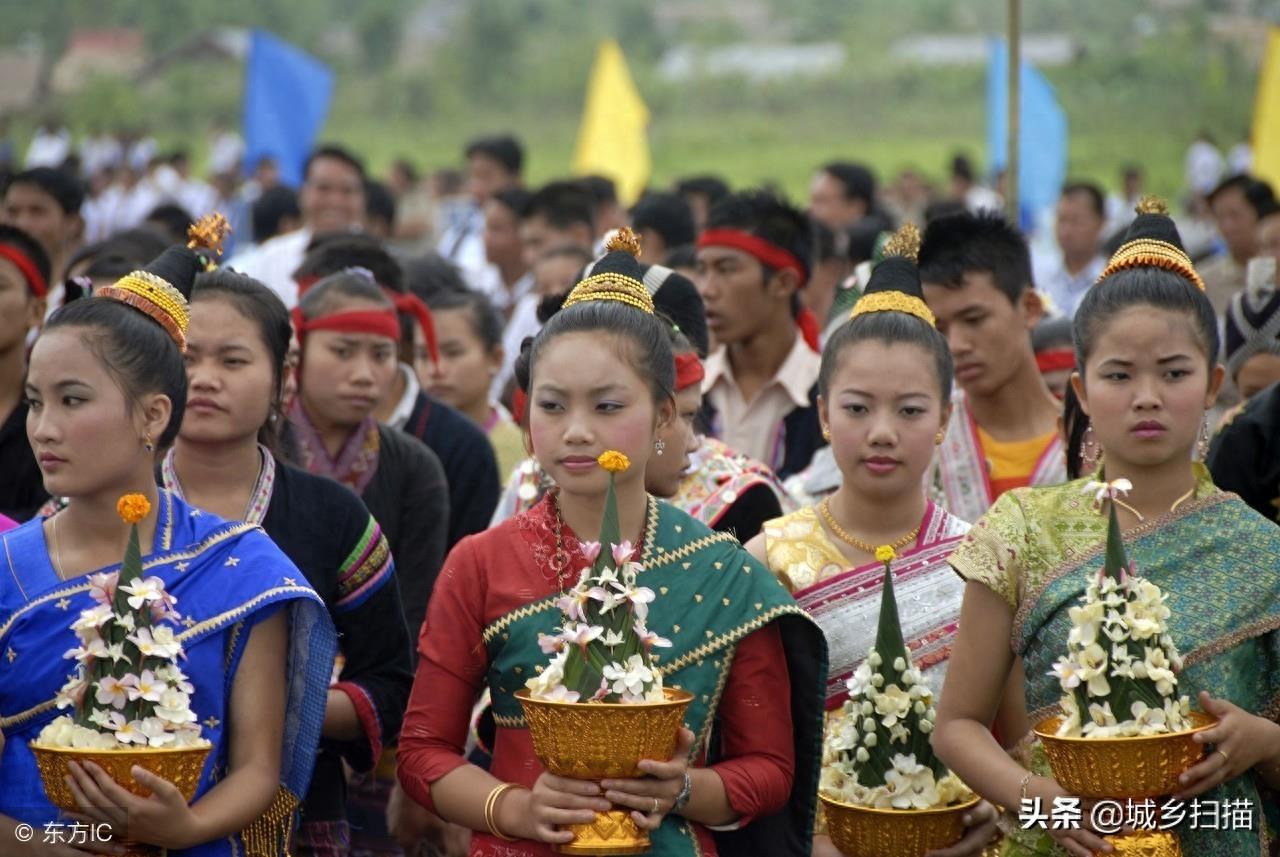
(128, 691)
(877, 752)
(602, 653)
(1119, 676)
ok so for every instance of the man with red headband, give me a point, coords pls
(753, 259)
(24, 284)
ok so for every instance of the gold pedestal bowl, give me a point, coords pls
(862, 831)
(1134, 768)
(596, 741)
(179, 765)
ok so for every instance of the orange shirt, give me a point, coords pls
(1011, 463)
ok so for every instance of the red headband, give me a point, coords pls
(1055, 359)
(28, 268)
(766, 252)
(689, 370)
(410, 303)
(519, 404)
(403, 302)
(379, 322)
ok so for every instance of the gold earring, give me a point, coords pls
(147, 443)
(937, 438)
(826, 433)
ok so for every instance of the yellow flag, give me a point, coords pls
(612, 140)
(1266, 115)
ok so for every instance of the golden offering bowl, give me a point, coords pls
(179, 765)
(595, 741)
(1137, 767)
(862, 831)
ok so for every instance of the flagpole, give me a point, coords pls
(1014, 69)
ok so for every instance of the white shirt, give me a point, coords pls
(980, 199)
(1203, 166)
(463, 245)
(273, 263)
(523, 323)
(754, 428)
(225, 152)
(404, 408)
(1064, 289)
(49, 150)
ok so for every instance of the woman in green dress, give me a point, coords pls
(1146, 342)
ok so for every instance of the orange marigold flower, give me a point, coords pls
(133, 508)
(613, 461)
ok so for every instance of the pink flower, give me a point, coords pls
(590, 550)
(608, 600)
(560, 693)
(550, 644)
(622, 553)
(102, 587)
(649, 639)
(163, 608)
(640, 596)
(573, 604)
(602, 692)
(582, 634)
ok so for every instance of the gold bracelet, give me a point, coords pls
(491, 809)
(1022, 787)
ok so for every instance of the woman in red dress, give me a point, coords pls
(600, 376)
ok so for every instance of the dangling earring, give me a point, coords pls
(826, 434)
(1090, 452)
(1202, 445)
(659, 445)
(147, 444)
(937, 438)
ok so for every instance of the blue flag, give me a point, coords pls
(1042, 135)
(286, 98)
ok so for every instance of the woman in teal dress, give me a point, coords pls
(1146, 342)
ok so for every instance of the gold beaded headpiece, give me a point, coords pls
(152, 293)
(1149, 246)
(895, 282)
(616, 276)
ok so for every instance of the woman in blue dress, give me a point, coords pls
(106, 388)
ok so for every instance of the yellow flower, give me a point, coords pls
(613, 461)
(884, 553)
(133, 508)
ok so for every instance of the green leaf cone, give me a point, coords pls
(891, 646)
(610, 530)
(1115, 559)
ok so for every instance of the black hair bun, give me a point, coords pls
(522, 364)
(178, 267)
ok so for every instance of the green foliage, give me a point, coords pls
(522, 65)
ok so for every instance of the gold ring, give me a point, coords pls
(1224, 755)
(656, 806)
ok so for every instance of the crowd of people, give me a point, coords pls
(388, 397)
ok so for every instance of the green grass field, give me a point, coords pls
(1143, 106)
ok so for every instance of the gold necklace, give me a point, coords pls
(57, 548)
(1176, 503)
(825, 508)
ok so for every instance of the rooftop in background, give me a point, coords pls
(118, 51)
(754, 62)
(940, 49)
